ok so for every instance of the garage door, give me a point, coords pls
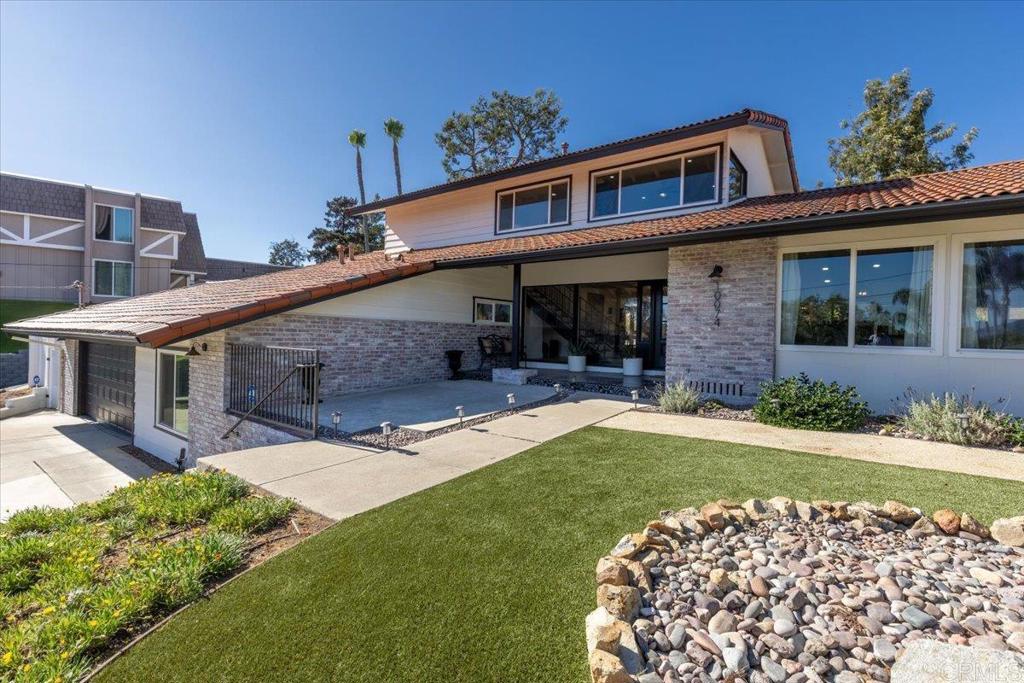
(108, 384)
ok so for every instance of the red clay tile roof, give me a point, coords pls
(164, 317)
(740, 118)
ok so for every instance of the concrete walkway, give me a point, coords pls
(341, 481)
(49, 458)
(872, 448)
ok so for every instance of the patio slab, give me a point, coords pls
(425, 407)
(340, 480)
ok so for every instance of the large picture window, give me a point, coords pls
(537, 206)
(887, 303)
(655, 185)
(992, 313)
(816, 298)
(114, 224)
(112, 278)
(172, 391)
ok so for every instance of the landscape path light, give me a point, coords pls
(511, 400)
(385, 427)
(336, 420)
(635, 395)
(461, 412)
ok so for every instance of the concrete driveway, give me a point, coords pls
(52, 459)
(340, 481)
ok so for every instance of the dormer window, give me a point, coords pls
(534, 206)
(737, 178)
(679, 181)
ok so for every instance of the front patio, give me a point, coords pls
(425, 407)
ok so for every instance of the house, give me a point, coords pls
(693, 246)
(115, 243)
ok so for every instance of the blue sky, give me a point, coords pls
(241, 111)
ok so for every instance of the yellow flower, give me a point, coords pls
(8, 657)
(93, 623)
(48, 610)
(65, 655)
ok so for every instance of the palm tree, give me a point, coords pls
(357, 138)
(394, 129)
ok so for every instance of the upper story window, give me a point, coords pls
(534, 206)
(673, 182)
(114, 223)
(737, 178)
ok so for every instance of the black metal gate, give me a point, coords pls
(107, 378)
(275, 384)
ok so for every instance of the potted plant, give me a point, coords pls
(632, 365)
(577, 357)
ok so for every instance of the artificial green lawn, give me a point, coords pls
(489, 577)
(18, 309)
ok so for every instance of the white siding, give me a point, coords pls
(148, 437)
(468, 215)
(439, 296)
(882, 374)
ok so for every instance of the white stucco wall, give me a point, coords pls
(160, 442)
(882, 374)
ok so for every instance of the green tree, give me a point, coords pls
(395, 129)
(340, 227)
(286, 253)
(502, 131)
(891, 139)
(357, 139)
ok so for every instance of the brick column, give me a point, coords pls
(742, 347)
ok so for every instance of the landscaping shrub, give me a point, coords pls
(174, 498)
(678, 398)
(939, 419)
(802, 404)
(252, 515)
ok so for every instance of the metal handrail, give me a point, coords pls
(314, 366)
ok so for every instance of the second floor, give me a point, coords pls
(691, 168)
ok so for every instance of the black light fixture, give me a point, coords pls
(716, 275)
(193, 350)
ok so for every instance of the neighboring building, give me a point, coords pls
(226, 269)
(692, 245)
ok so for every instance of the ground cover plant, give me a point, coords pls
(74, 581)
(961, 420)
(801, 403)
(489, 577)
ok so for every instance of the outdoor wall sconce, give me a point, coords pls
(461, 412)
(193, 350)
(336, 420)
(385, 427)
(635, 395)
(511, 400)
(716, 275)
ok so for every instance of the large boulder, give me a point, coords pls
(900, 513)
(937, 662)
(607, 668)
(757, 510)
(785, 507)
(973, 526)
(715, 516)
(611, 571)
(947, 520)
(1009, 531)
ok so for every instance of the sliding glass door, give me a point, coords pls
(605, 319)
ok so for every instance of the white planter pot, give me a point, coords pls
(632, 367)
(577, 363)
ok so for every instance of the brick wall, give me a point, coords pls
(358, 354)
(742, 348)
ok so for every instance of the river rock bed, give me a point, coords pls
(787, 591)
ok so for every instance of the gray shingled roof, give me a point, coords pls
(42, 197)
(191, 255)
(228, 269)
(164, 214)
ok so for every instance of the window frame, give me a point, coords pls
(717, 149)
(493, 302)
(112, 295)
(113, 231)
(157, 424)
(936, 242)
(498, 194)
(959, 242)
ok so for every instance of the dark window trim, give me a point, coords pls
(719, 146)
(505, 190)
(746, 176)
(473, 319)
